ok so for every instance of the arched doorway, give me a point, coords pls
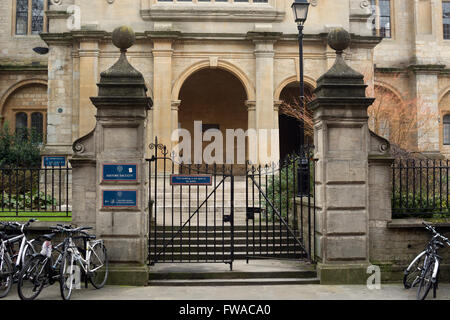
(289, 125)
(217, 99)
(25, 110)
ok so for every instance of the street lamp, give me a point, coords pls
(300, 9)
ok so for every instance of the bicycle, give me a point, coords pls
(424, 269)
(40, 271)
(11, 263)
(94, 263)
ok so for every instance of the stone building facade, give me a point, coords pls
(226, 63)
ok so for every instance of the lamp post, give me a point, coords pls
(300, 9)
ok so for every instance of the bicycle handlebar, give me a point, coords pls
(433, 230)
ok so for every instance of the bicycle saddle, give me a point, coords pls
(49, 236)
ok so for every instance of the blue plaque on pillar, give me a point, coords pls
(119, 172)
(190, 180)
(119, 198)
(53, 161)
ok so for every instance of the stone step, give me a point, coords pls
(235, 282)
(256, 272)
(240, 234)
(218, 241)
(202, 257)
(253, 247)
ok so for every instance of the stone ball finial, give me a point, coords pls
(339, 39)
(123, 38)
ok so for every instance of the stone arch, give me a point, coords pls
(443, 95)
(16, 87)
(386, 86)
(307, 80)
(227, 66)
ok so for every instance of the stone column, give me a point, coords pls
(264, 53)
(342, 143)
(162, 90)
(174, 109)
(88, 53)
(118, 144)
(251, 115)
(60, 108)
(276, 113)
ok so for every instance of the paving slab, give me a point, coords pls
(292, 292)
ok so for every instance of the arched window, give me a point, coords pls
(30, 16)
(37, 125)
(22, 124)
(447, 130)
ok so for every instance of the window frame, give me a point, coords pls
(29, 21)
(444, 142)
(443, 33)
(29, 112)
(377, 31)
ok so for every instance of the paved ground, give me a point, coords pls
(300, 292)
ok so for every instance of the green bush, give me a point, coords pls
(20, 150)
(283, 188)
(28, 201)
(408, 205)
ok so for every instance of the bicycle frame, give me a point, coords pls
(83, 262)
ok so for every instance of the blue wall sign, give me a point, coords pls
(119, 198)
(190, 180)
(119, 172)
(53, 161)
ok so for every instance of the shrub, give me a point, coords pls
(20, 150)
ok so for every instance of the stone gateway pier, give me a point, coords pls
(117, 207)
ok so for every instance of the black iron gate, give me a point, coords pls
(280, 217)
(209, 214)
(192, 216)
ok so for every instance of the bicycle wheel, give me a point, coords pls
(32, 278)
(28, 254)
(6, 275)
(412, 274)
(99, 263)
(426, 281)
(67, 275)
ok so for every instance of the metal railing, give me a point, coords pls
(35, 192)
(420, 188)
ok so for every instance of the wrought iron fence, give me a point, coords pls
(35, 192)
(420, 188)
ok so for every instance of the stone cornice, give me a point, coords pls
(171, 35)
(67, 38)
(185, 12)
(427, 68)
(264, 36)
(29, 67)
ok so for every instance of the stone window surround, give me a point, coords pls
(215, 11)
(29, 111)
(445, 122)
(29, 34)
(444, 38)
(392, 21)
